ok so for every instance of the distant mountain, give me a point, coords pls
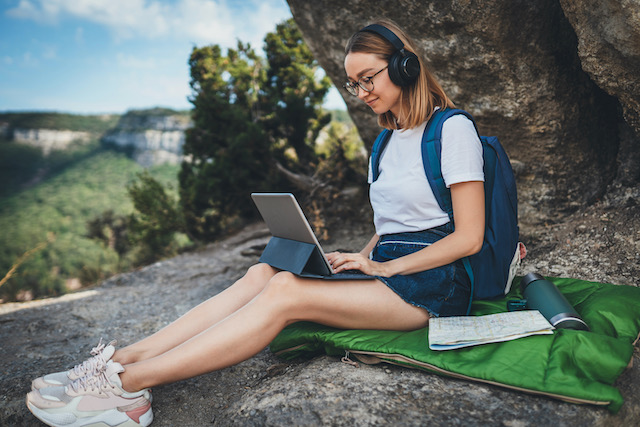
(151, 137)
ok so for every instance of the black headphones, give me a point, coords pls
(404, 66)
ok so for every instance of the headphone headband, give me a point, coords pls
(385, 33)
(404, 66)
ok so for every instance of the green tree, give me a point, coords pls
(227, 150)
(112, 230)
(249, 112)
(294, 94)
(156, 220)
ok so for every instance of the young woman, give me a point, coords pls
(414, 256)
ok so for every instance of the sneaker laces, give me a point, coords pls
(95, 364)
(89, 383)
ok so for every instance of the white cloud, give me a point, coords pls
(197, 21)
(46, 13)
(205, 22)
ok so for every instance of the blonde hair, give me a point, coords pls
(417, 100)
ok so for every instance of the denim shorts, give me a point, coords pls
(442, 291)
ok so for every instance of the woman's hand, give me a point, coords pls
(354, 261)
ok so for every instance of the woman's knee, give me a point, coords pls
(262, 270)
(283, 286)
(259, 275)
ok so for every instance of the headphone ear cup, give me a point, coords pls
(410, 68)
(395, 72)
(404, 68)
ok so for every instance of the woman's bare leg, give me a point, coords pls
(353, 304)
(200, 317)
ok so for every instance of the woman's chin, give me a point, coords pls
(378, 108)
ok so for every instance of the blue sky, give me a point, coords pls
(109, 56)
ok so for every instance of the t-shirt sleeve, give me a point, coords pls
(461, 151)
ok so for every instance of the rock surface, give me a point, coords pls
(43, 336)
(608, 34)
(153, 138)
(550, 78)
(48, 139)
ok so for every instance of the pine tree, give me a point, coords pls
(250, 113)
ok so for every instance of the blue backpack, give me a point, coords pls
(491, 270)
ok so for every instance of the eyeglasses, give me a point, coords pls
(365, 83)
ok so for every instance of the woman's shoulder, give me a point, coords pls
(459, 123)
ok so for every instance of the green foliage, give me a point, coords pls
(63, 204)
(248, 114)
(157, 111)
(97, 124)
(18, 165)
(341, 116)
(343, 156)
(22, 165)
(293, 93)
(156, 220)
(226, 146)
(112, 230)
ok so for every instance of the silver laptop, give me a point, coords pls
(289, 227)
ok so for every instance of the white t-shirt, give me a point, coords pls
(401, 197)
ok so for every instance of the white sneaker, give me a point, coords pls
(98, 400)
(90, 367)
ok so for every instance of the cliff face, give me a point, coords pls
(48, 139)
(557, 81)
(152, 136)
(154, 139)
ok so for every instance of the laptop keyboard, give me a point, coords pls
(351, 274)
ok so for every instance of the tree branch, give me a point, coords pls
(303, 182)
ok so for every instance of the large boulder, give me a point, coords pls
(520, 69)
(608, 33)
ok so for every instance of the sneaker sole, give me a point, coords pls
(111, 418)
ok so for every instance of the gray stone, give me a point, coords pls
(48, 139)
(553, 97)
(153, 138)
(49, 335)
(608, 34)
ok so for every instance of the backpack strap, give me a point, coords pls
(431, 159)
(376, 152)
(432, 154)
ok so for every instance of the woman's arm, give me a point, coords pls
(369, 247)
(467, 199)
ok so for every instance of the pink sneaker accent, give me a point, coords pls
(138, 412)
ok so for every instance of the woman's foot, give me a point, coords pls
(98, 400)
(90, 367)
